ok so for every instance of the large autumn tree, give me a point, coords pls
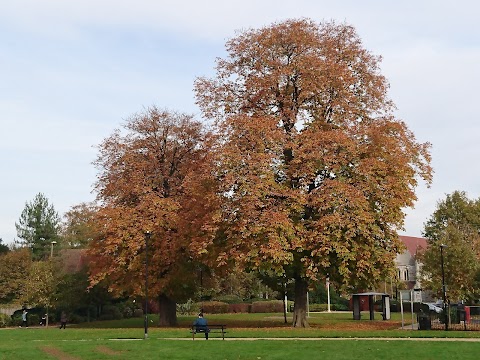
(141, 191)
(314, 169)
(456, 224)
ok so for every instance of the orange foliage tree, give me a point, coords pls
(141, 189)
(313, 169)
(78, 225)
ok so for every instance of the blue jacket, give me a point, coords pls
(200, 324)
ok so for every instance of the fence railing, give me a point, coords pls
(462, 318)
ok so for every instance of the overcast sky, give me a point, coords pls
(72, 71)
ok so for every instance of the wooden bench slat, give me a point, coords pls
(218, 328)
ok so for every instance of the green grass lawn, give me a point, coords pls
(74, 344)
(249, 337)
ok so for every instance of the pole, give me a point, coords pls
(401, 307)
(411, 306)
(285, 302)
(444, 290)
(51, 256)
(201, 289)
(328, 293)
(308, 306)
(147, 237)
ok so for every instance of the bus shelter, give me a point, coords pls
(363, 301)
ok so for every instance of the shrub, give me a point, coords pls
(127, 312)
(318, 307)
(137, 313)
(16, 319)
(213, 307)
(111, 312)
(51, 318)
(269, 306)
(185, 309)
(33, 316)
(340, 307)
(239, 308)
(33, 320)
(76, 319)
(5, 320)
(229, 299)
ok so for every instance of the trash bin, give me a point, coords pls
(424, 322)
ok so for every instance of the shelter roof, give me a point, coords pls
(371, 293)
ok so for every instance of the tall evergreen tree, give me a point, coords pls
(3, 248)
(38, 226)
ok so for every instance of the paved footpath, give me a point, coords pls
(336, 339)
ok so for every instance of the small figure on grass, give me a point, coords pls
(63, 320)
(201, 325)
(43, 320)
(24, 318)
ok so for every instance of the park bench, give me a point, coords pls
(214, 328)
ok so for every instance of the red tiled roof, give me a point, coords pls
(414, 244)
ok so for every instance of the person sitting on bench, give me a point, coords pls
(201, 325)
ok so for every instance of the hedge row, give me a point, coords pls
(220, 307)
(324, 307)
(271, 306)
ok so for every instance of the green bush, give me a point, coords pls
(76, 319)
(318, 307)
(340, 307)
(5, 320)
(323, 307)
(186, 308)
(16, 319)
(33, 320)
(137, 313)
(213, 307)
(229, 299)
(269, 306)
(111, 312)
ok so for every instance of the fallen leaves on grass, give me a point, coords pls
(107, 351)
(57, 353)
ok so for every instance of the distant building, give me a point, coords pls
(409, 268)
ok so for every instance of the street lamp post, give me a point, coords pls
(444, 289)
(148, 234)
(53, 242)
(51, 248)
(328, 292)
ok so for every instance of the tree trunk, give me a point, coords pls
(300, 309)
(167, 314)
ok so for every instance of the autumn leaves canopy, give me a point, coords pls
(305, 171)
